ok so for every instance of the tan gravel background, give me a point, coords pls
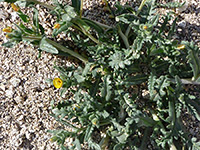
(25, 97)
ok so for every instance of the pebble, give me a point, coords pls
(182, 24)
(10, 92)
(15, 81)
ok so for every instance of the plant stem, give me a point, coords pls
(141, 6)
(64, 49)
(32, 37)
(139, 10)
(128, 30)
(89, 35)
(124, 38)
(102, 25)
(81, 9)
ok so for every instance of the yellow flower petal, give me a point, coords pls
(57, 82)
(181, 46)
(145, 27)
(7, 29)
(56, 26)
(15, 7)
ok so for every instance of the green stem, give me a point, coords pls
(89, 35)
(64, 49)
(128, 30)
(124, 38)
(139, 10)
(81, 9)
(102, 25)
(32, 37)
(141, 6)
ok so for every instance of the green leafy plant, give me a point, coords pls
(129, 90)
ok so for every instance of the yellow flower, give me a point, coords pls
(7, 36)
(7, 29)
(76, 106)
(94, 121)
(145, 27)
(15, 7)
(56, 26)
(57, 82)
(181, 46)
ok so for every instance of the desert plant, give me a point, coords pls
(129, 90)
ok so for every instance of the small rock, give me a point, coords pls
(1, 77)
(15, 81)
(9, 93)
(182, 24)
(2, 87)
(18, 99)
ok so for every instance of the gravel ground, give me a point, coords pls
(25, 97)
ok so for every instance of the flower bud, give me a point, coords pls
(181, 46)
(145, 27)
(7, 29)
(15, 7)
(57, 82)
(56, 26)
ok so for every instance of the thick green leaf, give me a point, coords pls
(23, 17)
(151, 84)
(194, 61)
(77, 143)
(35, 19)
(93, 25)
(193, 105)
(93, 145)
(88, 132)
(123, 137)
(70, 13)
(45, 46)
(77, 5)
(146, 121)
(134, 80)
(159, 91)
(106, 89)
(25, 29)
(156, 51)
(173, 28)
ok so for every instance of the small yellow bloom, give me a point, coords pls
(145, 27)
(57, 82)
(94, 123)
(7, 29)
(181, 46)
(56, 26)
(76, 106)
(15, 7)
(52, 139)
(7, 36)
